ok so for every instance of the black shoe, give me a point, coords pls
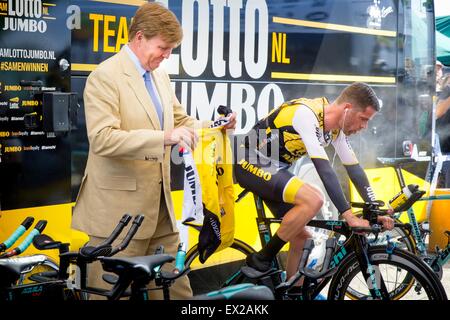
(259, 262)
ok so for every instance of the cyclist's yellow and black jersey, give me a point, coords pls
(293, 130)
(297, 129)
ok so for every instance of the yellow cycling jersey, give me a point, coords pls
(209, 193)
(296, 128)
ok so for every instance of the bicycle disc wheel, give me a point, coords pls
(392, 269)
(222, 268)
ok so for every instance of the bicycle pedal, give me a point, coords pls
(252, 273)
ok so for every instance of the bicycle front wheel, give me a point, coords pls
(392, 269)
(222, 268)
(399, 238)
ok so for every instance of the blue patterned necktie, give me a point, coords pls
(152, 92)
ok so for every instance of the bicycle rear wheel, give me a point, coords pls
(222, 268)
(392, 269)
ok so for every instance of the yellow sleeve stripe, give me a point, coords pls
(291, 188)
(323, 158)
(350, 164)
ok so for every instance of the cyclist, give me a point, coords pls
(298, 128)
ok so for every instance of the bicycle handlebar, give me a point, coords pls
(117, 230)
(375, 228)
(24, 226)
(39, 227)
(371, 205)
(105, 248)
(130, 234)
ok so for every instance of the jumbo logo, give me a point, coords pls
(30, 103)
(255, 170)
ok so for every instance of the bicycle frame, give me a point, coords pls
(51, 290)
(45, 290)
(354, 243)
(444, 255)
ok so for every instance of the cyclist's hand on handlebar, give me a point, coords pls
(185, 137)
(354, 221)
(387, 222)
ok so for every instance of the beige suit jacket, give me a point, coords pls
(127, 162)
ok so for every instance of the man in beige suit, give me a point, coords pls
(133, 118)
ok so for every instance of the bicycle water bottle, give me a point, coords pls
(404, 195)
(180, 258)
(317, 255)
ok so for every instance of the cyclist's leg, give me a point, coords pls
(295, 252)
(307, 203)
(276, 185)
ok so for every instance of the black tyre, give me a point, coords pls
(222, 268)
(394, 270)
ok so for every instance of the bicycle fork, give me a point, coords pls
(371, 273)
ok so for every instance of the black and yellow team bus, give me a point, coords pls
(250, 55)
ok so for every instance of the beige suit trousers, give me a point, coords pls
(164, 235)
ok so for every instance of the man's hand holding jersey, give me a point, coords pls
(185, 137)
(231, 125)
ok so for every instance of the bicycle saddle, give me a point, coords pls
(14, 267)
(135, 266)
(244, 291)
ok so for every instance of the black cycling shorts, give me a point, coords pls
(266, 178)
